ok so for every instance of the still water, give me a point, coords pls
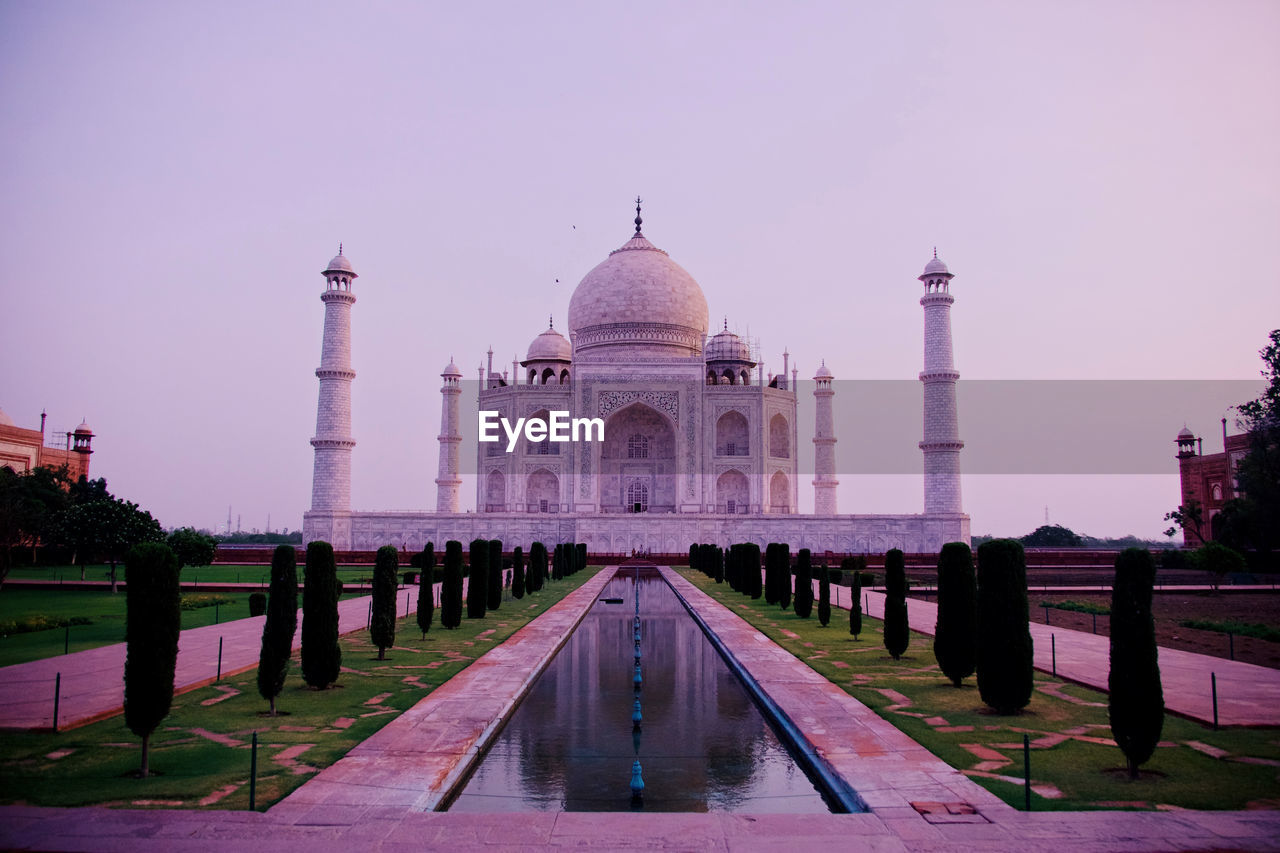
(703, 744)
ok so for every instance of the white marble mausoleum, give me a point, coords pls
(699, 444)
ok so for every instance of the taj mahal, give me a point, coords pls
(699, 442)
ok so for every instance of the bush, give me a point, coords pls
(804, 584)
(258, 603)
(410, 578)
(321, 654)
(153, 622)
(824, 596)
(451, 585)
(1174, 558)
(955, 640)
(478, 582)
(382, 624)
(426, 588)
(897, 632)
(1136, 700)
(40, 622)
(855, 605)
(1218, 560)
(280, 626)
(1004, 659)
(867, 579)
(494, 600)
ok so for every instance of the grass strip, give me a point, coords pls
(1240, 629)
(1074, 762)
(201, 750)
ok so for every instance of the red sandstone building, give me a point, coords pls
(21, 450)
(1209, 480)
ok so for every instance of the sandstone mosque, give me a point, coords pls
(699, 444)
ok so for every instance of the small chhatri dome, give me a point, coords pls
(824, 372)
(339, 263)
(936, 266)
(451, 369)
(549, 346)
(83, 429)
(1185, 433)
(726, 346)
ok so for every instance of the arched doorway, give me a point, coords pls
(638, 460)
(495, 492)
(779, 493)
(733, 495)
(542, 492)
(731, 435)
(779, 438)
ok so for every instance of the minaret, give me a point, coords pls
(448, 482)
(331, 478)
(824, 444)
(942, 442)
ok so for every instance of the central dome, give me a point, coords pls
(641, 300)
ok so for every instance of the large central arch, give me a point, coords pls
(638, 457)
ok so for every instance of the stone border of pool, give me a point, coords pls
(887, 769)
(416, 760)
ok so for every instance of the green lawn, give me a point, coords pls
(257, 574)
(1065, 719)
(103, 608)
(201, 749)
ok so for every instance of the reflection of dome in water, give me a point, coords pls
(641, 300)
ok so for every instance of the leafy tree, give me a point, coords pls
(192, 547)
(1051, 536)
(1189, 518)
(1004, 659)
(955, 640)
(494, 599)
(1257, 516)
(517, 573)
(153, 621)
(451, 585)
(426, 589)
(1135, 703)
(803, 597)
(478, 579)
(28, 504)
(108, 528)
(321, 654)
(824, 596)
(897, 633)
(382, 624)
(855, 593)
(1218, 560)
(281, 624)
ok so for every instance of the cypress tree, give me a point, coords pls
(537, 565)
(321, 654)
(451, 585)
(751, 565)
(693, 556)
(955, 640)
(732, 566)
(897, 634)
(824, 596)
(153, 621)
(771, 595)
(494, 600)
(1136, 701)
(382, 624)
(478, 579)
(580, 550)
(426, 590)
(280, 626)
(1004, 659)
(855, 599)
(517, 573)
(804, 584)
(784, 575)
(719, 564)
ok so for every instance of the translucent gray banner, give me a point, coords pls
(1007, 426)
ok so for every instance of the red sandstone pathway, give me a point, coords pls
(1248, 695)
(93, 680)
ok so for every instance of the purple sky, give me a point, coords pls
(1101, 177)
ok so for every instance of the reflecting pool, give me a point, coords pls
(703, 745)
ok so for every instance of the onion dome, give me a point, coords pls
(1185, 434)
(639, 299)
(549, 346)
(83, 429)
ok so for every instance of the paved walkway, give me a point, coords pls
(93, 680)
